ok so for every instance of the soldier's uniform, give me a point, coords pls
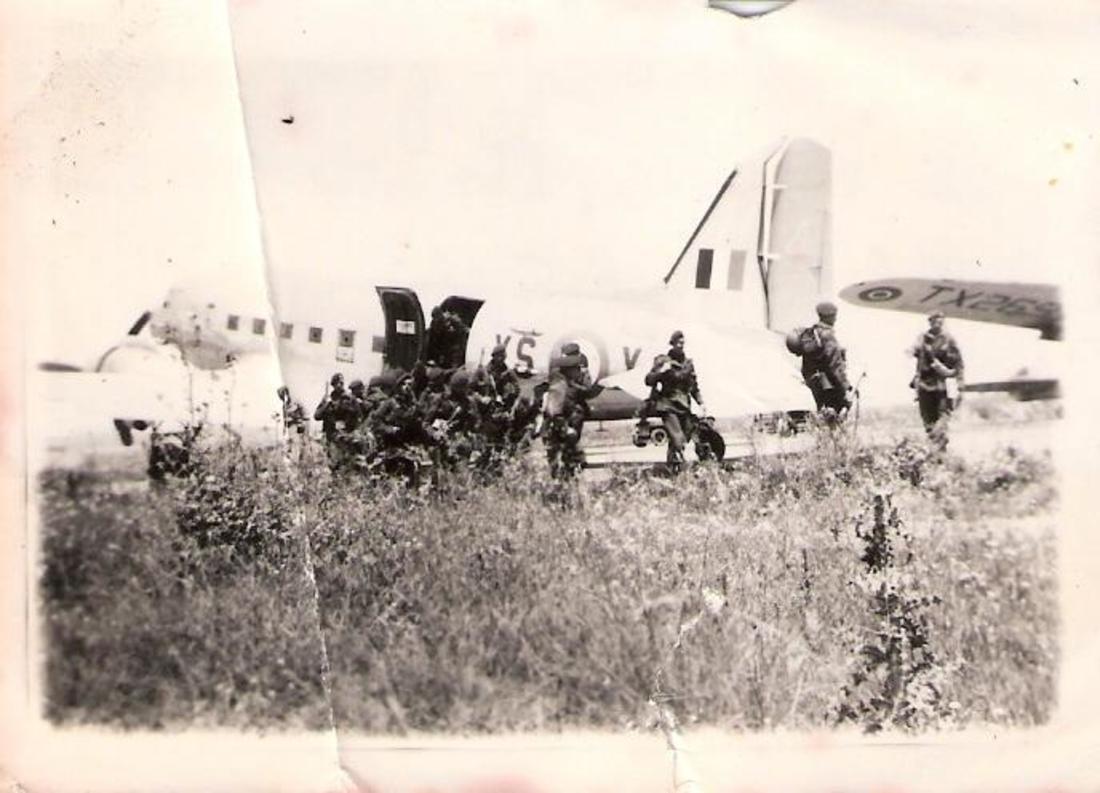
(331, 409)
(447, 335)
(333, 413)
(938, 358)
(565, 406)
(674, 384)
(450, 419)
(825, 366)
(505, 382)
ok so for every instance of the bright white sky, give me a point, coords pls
(546, 145)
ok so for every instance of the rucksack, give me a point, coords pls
(804, 341)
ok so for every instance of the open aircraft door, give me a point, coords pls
(404, 327)
(465, 308)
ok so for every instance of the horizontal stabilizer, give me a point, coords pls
(1023, 390)
(1036, 306)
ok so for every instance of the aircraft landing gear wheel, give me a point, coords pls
(658, 436)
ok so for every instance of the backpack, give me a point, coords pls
(804, 342)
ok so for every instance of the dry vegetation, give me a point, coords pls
(869, 585)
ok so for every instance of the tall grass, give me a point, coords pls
(516, 604)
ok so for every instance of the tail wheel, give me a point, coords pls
(658, 436)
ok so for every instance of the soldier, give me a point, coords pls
(455, 420)
(330, 411)
(565, 406)
(672, 378)
(294, 415)
(395, 424)
(824, 364)
(505, 382)
(294, 423)
(447, 335)
(938, 358)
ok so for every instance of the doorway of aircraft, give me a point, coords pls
(404, 327)
(449, 331)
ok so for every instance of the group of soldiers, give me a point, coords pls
(398, 421)
(825, 371)
(452, 417)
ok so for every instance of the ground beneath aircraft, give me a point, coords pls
(981, 426)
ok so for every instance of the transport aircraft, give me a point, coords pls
(752, 269)
(1023, 305)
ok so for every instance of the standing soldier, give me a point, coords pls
(565, 406)
(505, 382)
(824, 364)
(294, 423)
(938, 358)
(330, 411)
(447, 334)
(672, 378)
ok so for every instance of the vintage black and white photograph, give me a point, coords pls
(551, 396)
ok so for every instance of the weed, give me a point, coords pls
(510, 604)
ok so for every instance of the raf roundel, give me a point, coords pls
(880, 294)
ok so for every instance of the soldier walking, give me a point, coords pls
(565, 406)
(674, 383)
(938, 358)
(824, 364)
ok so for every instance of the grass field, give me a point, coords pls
(874, 586)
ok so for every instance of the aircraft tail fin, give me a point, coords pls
(765, 239)
(796, 232)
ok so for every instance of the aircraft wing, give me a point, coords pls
(87, 408)
(739, 375)
(1037, 306)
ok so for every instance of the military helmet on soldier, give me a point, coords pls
(460, 380)
(826, 310)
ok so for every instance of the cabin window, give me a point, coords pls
(286, 330)
(258, 326)
(233, 322)
(315, 335)
(702, 270)
(347, 338)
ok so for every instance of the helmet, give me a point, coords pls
(794, 341)
(460, 379)
(337, 379)
(385, 381)
(826, 309)
(568, 361)
(500, 351)
(570, 348)
(356, 385)
(675, 337)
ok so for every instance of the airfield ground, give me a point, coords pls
(264, 596)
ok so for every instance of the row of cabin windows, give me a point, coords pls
(286, 331)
